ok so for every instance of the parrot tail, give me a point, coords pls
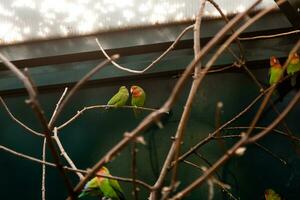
(82, 194)
(136, 112)
(294, 80)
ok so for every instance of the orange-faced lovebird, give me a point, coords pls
(103, 187)
(271, 195)
(120, 98)
(293, 67)
(275, 71)
(138, 97)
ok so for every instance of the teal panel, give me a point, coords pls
(89, 137)
(176, 60)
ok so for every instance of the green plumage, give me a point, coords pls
(120, 98)
(271, 195)
(275, 74)
(293, 67)
(138, 98)
(103, 187)
(275, 71)
(91, 188)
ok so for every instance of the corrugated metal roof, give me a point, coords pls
(23, 20)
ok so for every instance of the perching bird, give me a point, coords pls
(293, 67)
(271, 195)
(103, 187)
(275, 71)
(120, 98)
(275, 74)
(138, 97)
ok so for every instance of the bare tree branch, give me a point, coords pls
(188, 106)
(57, 105)
(80, 112)
(263, 128)
(154, 62)
(21, 155)
(40, 115)
(270, 36)
(44, 170)
(18, 121)
(134, 170)
(64, 154)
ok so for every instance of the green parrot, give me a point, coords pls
(120, 98)
(138, 97)
(271, 195)
(275, 70)
(103, 187)
(293, 67)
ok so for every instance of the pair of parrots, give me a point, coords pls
(138, 97)
(103, 187)
(276, 69)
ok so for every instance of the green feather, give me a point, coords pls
(91, 188)
(103, 187)
(275, 74)
(108, 190)
(120, 98)
(115, 185)
(138, 101)
(292, 68)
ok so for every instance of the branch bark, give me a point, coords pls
(41, 117)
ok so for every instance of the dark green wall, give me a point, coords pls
(96, 131)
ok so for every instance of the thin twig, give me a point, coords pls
(64, 154)
(257, 144)
(18, 121)
(219, 69)
(223, 186)
(57, 140)
(80, 112)
(44, 170)
(222, 69)
(219, 107)
(263, 128)
(154, 62)
(269, 36)
(211, 190)
(134, 170)
(271, 153)
(57, 105)
(50, 164)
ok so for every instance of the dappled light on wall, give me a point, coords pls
(26, 20)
